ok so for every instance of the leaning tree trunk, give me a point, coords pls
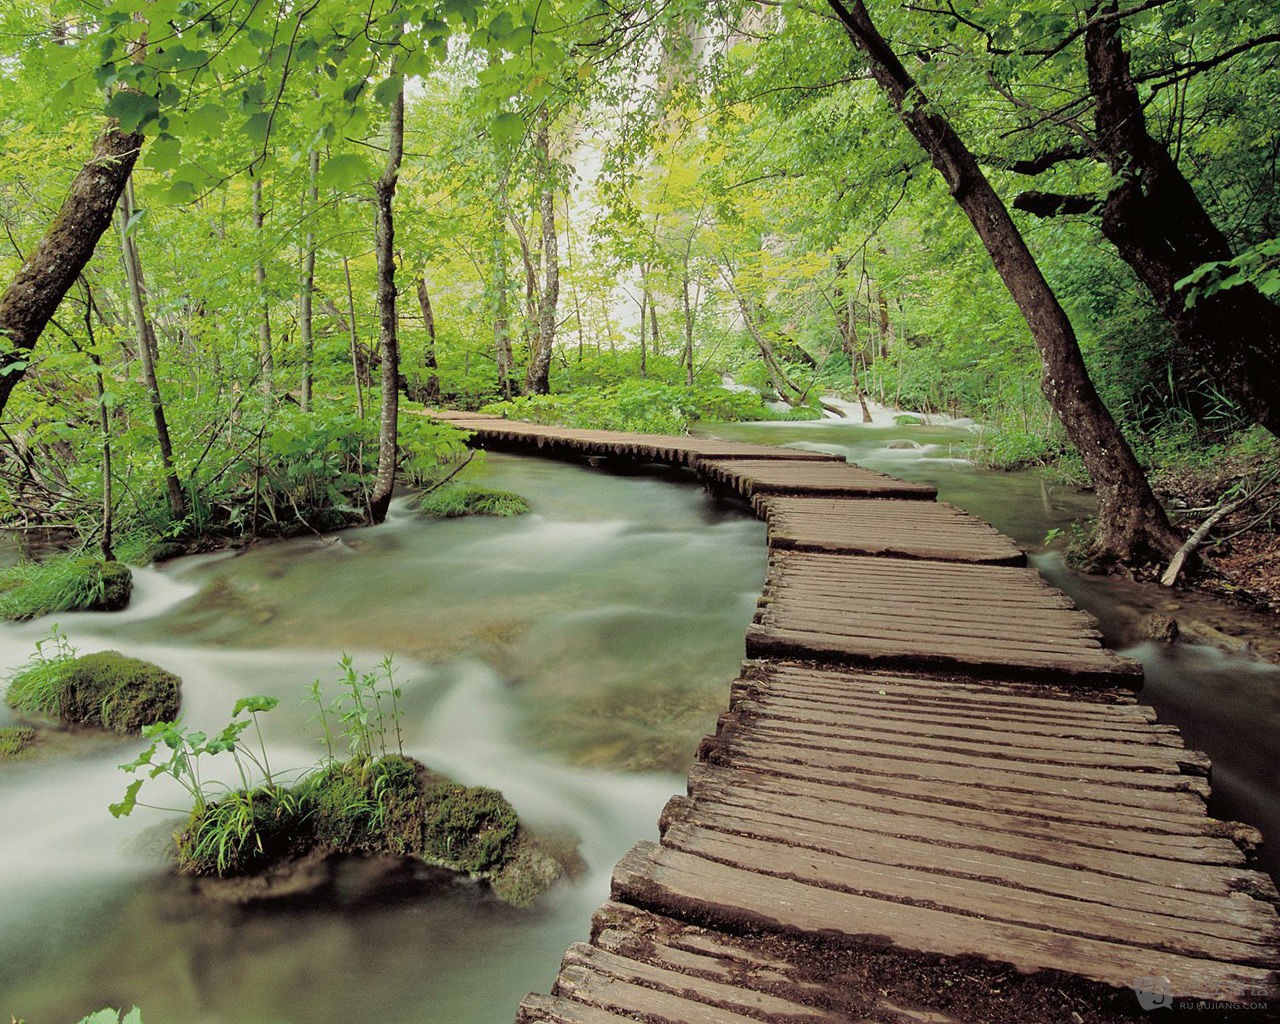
(389, 343)
(33, 295)
(1131, 522)
(430, 390)
(147, 351)
(1160, 228)
(538, 378)
(688, 330)
(305, 301)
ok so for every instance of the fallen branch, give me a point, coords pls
(1198, 535)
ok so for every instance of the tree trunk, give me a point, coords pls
(644, 327)
(146, 350)
(389, 344)
(40, 283)
(1162, 230)
(688, 331)
(431, 390)
(653, 323)
(847, 325)
(305, 326)
(106, 542)
(787, 390)
(538, 378)
(356, 371)
(266, 364)
(1131, 523)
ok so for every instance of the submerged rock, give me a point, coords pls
(16, 742)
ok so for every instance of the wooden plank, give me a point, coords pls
(752, 477)
(883, 527)
(685, 885)
(1101, 669)
(1051, 891)
(1196, 861)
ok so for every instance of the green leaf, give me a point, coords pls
(386, 91)
(125, 807)
(254, 704)
(508, 127)
(134, 221)
(344, 171)
(132, 109)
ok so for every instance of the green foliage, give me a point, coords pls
(241, 833)
(1011, 449)
(454, 500)
(637, 405)
(110, 1016)
(15, 740)
(63, 583)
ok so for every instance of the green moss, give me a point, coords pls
(63, 583)
(455, 500)
(106, 689)
(468, 826)
(15, 741)
(365, 806)
(526, 874)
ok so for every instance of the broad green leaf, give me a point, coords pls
(125, 807)
(345, 170)
(132, 109)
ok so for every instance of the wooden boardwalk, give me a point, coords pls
(933, 797)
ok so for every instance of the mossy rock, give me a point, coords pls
(467, 826)
(16, 742)
(117, 692)
(906, 419)
(527, 873)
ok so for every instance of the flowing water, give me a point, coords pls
(571, 658)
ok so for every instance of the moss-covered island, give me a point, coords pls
(266, 840)
(63, 583)
(276, 842)
(107, 689)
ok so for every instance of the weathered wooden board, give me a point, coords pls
(936, 615)
(753, 477)
(495, 431)
(688, 885)
(885, 527)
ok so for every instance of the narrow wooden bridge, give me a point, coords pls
(933, 797)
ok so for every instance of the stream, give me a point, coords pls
(571, 658)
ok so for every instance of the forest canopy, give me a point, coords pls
(238, 235)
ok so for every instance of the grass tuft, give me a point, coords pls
(456, 500)
(63, 583)
(14, 741)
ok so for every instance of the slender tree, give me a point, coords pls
(307, 293)
(538, 378)
(388, 339)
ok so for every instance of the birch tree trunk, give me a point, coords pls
(305, 301)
